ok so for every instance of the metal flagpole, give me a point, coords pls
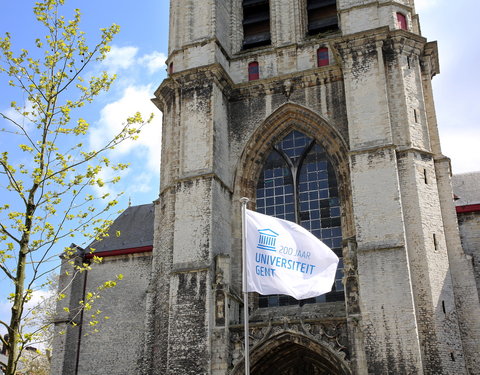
(244, 201)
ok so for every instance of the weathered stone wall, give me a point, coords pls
(118, 346)
(427, 252)
(190, 21)
(466, 297)
(360, 15)
(469, 225)
(430, 269)
(66, 336)
(189, 235)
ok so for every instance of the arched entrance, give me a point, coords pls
(291, 353)
(293, 359)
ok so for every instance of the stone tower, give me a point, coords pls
(320, 112)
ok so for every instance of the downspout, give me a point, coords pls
(80, 325)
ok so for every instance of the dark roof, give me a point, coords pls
(466, 187)
(135, 225)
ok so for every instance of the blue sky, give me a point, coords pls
(455, 26)
(137, 57)
(139, 52)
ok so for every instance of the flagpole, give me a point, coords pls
(244, 202)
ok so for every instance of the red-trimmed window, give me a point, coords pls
(253, 71)
(322, 57)
(401, 21)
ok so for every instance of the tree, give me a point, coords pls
(50, 193)
(35, 360)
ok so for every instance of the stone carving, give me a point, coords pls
(332, 334)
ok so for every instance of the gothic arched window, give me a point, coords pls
(298, 183)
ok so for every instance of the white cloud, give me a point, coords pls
(36, 302)
(123, 58)
(13, 115)
(154, 61)
(131, 97)
(38, 299)
(421, 5)
(113, 116)
(460, 144)
(4, 315)
(143, 183)
(108, 188)
(120, 58)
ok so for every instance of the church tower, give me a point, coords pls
(320, 112)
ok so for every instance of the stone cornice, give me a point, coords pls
(371, 150)
(287, 82)
(431, 53)
(380, 34)
(398, 149)
(191, 78)
(199, 76)
(205, 176)
(415, 150)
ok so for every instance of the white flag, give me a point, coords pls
(285, 258)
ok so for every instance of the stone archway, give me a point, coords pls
(291, 353)
(293, 359)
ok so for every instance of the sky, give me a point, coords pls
(455, 26)
(138, 55)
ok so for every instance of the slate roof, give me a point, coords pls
(136, 230)
(466, 187)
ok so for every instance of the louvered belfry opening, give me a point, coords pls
(256, 23)
(322, 16)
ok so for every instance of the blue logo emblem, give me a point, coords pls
(266, 240)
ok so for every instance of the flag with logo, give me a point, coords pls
(285, 258)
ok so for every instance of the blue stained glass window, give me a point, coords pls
(298, 183)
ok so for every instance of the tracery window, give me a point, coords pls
(322, 16)
(256, 23)
(298, 183)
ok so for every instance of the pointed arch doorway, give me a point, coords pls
(294, 359)
(294, 354)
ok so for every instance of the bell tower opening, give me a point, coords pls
(256, 23)
(322, 16)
